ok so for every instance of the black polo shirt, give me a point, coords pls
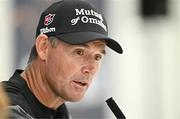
(25, 105)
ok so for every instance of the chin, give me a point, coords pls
(75, 98)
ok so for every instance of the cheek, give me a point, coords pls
(60, 66)
(52, 63)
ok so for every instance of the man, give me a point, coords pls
(70, 43)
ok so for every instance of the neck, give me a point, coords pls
(35, 77)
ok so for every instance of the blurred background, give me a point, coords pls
(144, 80)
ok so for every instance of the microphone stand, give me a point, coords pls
(115, 109)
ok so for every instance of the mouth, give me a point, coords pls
(81, 84)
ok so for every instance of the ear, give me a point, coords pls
(42, 46)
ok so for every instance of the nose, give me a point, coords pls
(89, 68)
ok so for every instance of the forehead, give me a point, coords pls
(96, 42)
(96, 45)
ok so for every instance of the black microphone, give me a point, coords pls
(115, 109)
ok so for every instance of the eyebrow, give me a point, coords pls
(103, 52)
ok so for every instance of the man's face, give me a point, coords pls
(69, 69)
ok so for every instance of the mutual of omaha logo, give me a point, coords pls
(49, 19)
(88, 17)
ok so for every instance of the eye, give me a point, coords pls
(79, 52)
(98, 57)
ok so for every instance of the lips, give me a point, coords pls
(80, 84)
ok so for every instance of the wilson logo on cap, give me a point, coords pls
(49, 19)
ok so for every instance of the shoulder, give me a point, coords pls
(18, 103)
(14, 92)
(16, 112)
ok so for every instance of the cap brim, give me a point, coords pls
(84, 37)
